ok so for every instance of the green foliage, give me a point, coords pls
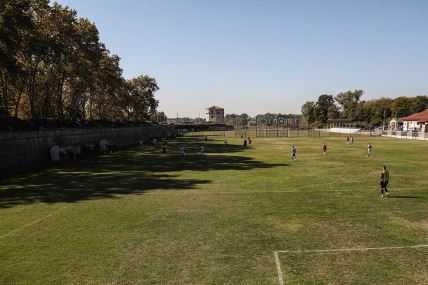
(349, 102)
(400, 107)
(54, 67)
(237, 120)
(372, 112)
(308, 111)
(324, 104)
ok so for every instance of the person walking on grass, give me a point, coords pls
(347, 140)
(384, 179)
(203, 152)
(182, 152)
(293, 153)
(164, 150)
(369, 150)
(249, 142)
(245, 143)
(324, 148)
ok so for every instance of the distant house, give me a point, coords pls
(214, 114)
(395, 125)
(416, 122)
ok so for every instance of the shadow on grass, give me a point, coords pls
(405, 197)
(122, 173)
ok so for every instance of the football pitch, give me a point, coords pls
(239, 217)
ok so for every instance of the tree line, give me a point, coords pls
(348, 105)
(53, 66)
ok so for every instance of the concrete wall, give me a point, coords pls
(23, 149)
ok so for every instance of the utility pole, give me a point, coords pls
(256, 125)
(277, 133)
(384, 115)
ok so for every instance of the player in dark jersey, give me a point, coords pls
(293, 153)
(324, 148)
(384, 179)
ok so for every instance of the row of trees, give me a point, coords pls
(348, 105)
(267, 119)
(54, 67)
(236, 119)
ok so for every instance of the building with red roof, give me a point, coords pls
(416, 122)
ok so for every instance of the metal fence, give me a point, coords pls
(410, 135)
(280, 132)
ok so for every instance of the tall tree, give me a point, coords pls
(142, 101)
(308, 111)
(323, 105)
(348, 102)
(418, 104)
(400, 107)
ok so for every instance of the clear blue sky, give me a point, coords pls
(265, 56)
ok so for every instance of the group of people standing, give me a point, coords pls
(247, 143)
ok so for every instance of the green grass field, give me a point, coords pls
(134, 218)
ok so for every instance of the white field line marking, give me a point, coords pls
(352, 249)
(278, 263)
(32, 223)
(266, 191)
(278, 268)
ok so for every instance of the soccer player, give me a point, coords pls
(203, 152)
(324, 148)
(249, 142)
(347, 140)
(369, 150)
(352, 140)
(182, 152)
(293, 153)
(164, 150)
(384, 179)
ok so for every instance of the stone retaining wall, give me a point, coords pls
(23, 149)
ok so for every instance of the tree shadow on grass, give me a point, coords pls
(72, 187)
(111, 176)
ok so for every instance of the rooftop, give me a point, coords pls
(420, 117)
(216, 107)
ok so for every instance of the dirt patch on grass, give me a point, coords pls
(421, 225)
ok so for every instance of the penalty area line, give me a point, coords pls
(278, 268)
(352, 249)
(278, 262)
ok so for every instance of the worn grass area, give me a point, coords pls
(390, 266)
(134, 218)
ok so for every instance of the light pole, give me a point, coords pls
(384, 115)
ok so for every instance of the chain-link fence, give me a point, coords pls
(261, 132)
